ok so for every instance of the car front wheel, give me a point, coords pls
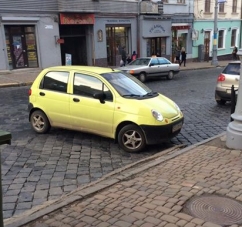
(39, 122)
(142, 77)
(170, 75)
(131, 138)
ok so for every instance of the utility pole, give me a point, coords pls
(215, 35)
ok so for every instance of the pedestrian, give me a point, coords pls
(153, 55)
(134, 56)
(234, 53)
(124, 55)
(183, 56)
(178, 55)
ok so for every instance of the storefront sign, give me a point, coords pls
(99, 35)
(48, 26)
(119, 21)
(157, 28)
(77, 18)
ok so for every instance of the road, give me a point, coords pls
(38, 168)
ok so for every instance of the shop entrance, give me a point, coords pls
(206, 45)
(21, 46)
(156, 46)
(74, 44)
(117, 37)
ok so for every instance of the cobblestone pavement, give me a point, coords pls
(159, 195)
(40, 168)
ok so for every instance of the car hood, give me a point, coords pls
(143, 107)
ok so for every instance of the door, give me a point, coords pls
(206, 45)
(87, 113)
(53, 99)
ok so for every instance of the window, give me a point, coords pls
(207, 6)
(165, 1)
(55, 81)
(181, 1)
(221, 39)
(234, 6)
(233, 37)
(221, 7)
(154, 61)
(85, 85)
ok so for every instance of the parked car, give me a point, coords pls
(102, 101)
(144, 68)
(228, 77)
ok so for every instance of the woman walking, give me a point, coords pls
(183, 56)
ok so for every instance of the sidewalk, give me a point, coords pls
(22, 77)
(196, 186)
(192, 187)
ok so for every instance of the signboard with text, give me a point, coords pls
(76, 18)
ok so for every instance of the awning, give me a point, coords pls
(180, 26)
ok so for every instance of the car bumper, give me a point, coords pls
(222, 95)
(159, 134)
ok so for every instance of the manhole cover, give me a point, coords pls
(215, 209)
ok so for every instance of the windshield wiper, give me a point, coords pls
(131, 95)
(152, 93)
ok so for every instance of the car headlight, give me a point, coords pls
(157, 115)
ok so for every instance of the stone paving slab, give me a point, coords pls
(150, 193)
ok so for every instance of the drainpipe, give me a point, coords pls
(138, 28)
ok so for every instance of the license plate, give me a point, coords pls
(176, 127)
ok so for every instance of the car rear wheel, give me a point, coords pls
(39, 122)
(131, 138)
(142, 77)
(170, 75)
(221, 102)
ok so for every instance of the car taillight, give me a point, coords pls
(221, 78)
(30, 92)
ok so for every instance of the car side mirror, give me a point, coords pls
(101, 96)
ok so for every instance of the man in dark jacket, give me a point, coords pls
(124, 55)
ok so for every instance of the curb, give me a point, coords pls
(108, 180)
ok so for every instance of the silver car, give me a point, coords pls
(228, 77)
(143, 68)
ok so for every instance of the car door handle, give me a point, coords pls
(76, 100)
(42, 94)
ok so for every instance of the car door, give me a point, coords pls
(164, 66)
(53, 99)
(88, 113)
(154, 67)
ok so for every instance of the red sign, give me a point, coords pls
(76, 18)
(60, 41)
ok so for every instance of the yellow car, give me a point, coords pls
(102, 101)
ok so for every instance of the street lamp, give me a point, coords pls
(234, 129)
(215, 34)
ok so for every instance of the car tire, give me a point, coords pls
(221, 102)
(142, 77)
(131, 138)
(40, 122)
(170, 75)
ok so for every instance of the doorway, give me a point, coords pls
(156, 46)
(206, 45)
(21, 46)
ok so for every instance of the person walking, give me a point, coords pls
(124, 55)
(183, 56)
(234, 53)
(178, 55)
(134, 56)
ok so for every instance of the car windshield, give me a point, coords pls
(127, 85)
(232, 69)
(140, 61)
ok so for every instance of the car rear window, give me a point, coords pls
(232, 69)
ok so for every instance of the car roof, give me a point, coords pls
(92, 69)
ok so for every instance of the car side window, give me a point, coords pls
(163, 61)
(154, 61)
(55, 81)
(233, 69)
(87, 86)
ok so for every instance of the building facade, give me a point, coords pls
(228, 28)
